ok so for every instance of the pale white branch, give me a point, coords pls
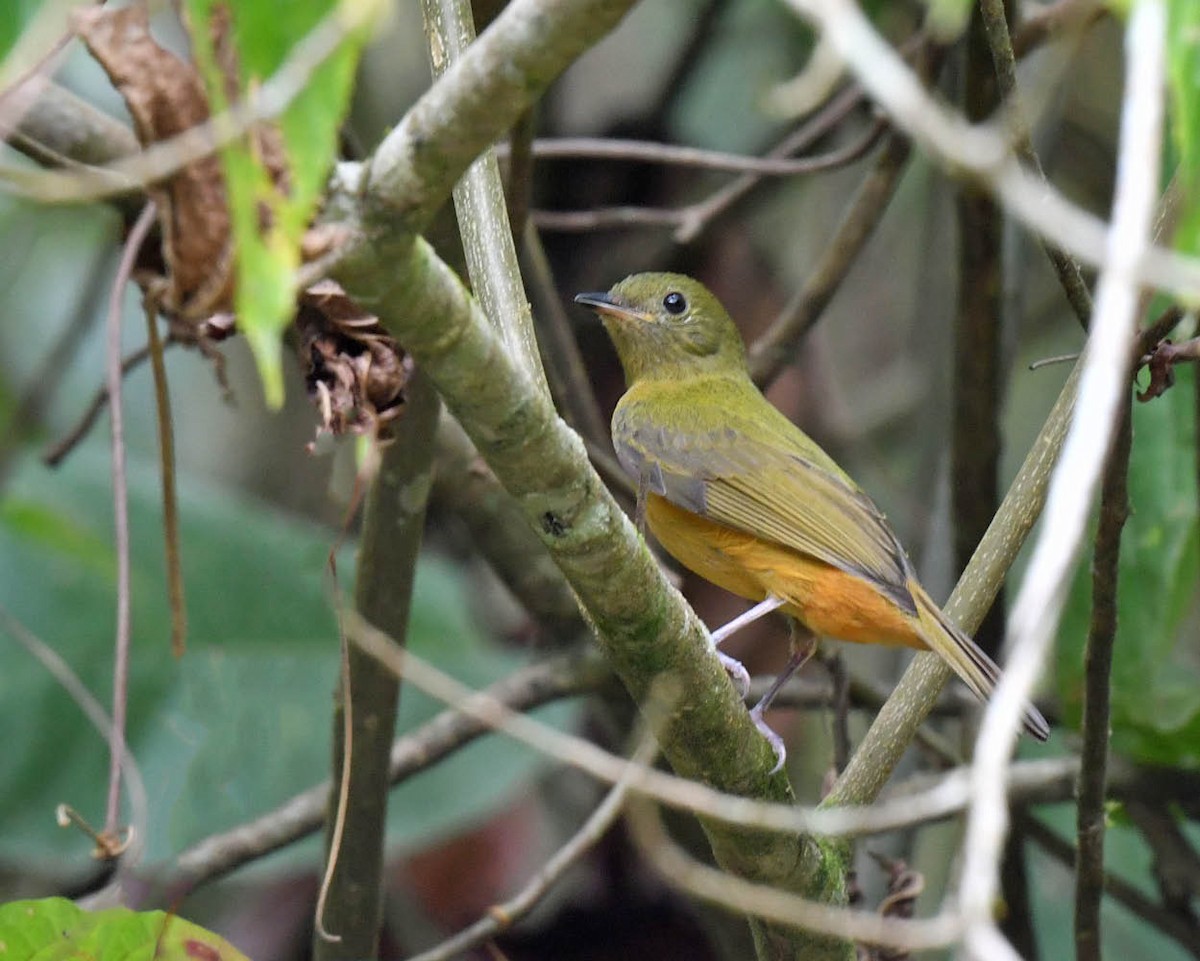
(1073, 486)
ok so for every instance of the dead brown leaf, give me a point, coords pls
(165, 97)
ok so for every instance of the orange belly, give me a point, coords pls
(826, 600)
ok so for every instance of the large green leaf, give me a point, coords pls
(266, 35)
(243, 720)
(1156, 663)
(55, 929)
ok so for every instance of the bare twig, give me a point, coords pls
(52, 661)
(1093, 779)
(727, 891)
(166, 448)
(565, 368)
(644, 151)
(938, 799)
(54, 455)
(983, 153)
(995, 24)
(120, 513)
(501, 917)
(771, 352)
(1039, 604)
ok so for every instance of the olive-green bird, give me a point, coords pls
(740, 495)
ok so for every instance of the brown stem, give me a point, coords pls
(392, 525)
(120, 516)
(1114, 508)
(777, 346)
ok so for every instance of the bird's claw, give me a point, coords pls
(737, 673)
(776, 742)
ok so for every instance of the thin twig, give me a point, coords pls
(691, 219)
(27, 413)
(772, 351)
(133, 244)
(501, 917)
(57, 452)
(1097, 660)
(995, 23)
(983, 153)
(942, 798)
(564, 676)
(1036, 611)
(698, 158)
(812, 131)
(166, 449)
(60, 670)
(697, 217)
(732, 893)
(565, 368)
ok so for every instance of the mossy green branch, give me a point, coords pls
(478, 98)
(652, 638)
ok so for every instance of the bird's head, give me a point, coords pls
(668, 326)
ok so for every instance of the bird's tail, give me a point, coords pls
(978, 671)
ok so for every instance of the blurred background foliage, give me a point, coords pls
(242, 721)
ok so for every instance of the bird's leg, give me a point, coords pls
(804, 643)
(760, 609)
(733, 667)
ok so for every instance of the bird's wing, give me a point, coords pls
(780, 489)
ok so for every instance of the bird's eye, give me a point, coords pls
(675, 302)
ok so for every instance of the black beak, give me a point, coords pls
(599, 300)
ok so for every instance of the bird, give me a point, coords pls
(737, 493)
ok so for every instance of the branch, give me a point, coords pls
(982, 154)
(501, 917)
(995, 23)
(303, 814)
(1171, 924)
(393, 521)
(465, 487)
(478, 98)
(1097, 659)
(1037, 608)
(642, 623)
(776, 348)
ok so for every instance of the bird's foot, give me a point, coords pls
(776, 742)
(737, 673)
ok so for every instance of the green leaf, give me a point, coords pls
(55, 929)
(240, 723)
(267, 36)
(1156, 670)
(1183, 74)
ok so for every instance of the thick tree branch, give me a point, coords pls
(649, 634)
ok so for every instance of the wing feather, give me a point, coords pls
(781, 488)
